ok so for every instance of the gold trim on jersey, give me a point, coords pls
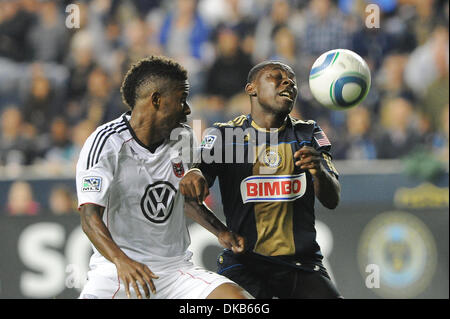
(263, 129)
(274, 219)
(295, 121)
(238, 121)
(275, 227)
(330, 164)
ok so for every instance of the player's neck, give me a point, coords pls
(146, 131)
(268, 120)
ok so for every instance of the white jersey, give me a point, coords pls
(139, 190)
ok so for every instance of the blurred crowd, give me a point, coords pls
(58, 83)
(22, 199)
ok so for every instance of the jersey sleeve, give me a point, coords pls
(210, 155)
(93, 180)
(321, 143)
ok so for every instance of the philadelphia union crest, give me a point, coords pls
(272, 158)
(403, 248)
(157, 202)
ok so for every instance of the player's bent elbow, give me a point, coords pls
(331, 203)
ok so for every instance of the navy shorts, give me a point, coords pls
(266, 280)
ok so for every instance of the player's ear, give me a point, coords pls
(156, 99)
(250, 89)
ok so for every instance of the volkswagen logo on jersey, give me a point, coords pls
(157, 202)
(273, 188)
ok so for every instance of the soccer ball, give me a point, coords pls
(339, 79)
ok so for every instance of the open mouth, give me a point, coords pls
(288, 94)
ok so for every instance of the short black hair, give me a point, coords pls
(147, 71)
(261, 66)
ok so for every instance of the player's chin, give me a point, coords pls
(285, 103)
(175, 130)
(286, 107)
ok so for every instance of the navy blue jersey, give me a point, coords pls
(265, 197)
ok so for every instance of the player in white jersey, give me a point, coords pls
(127, 181)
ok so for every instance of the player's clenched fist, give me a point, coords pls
(132, 272)
(194, 185)
(232, 241)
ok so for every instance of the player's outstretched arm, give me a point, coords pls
(129, 271)
(326, 186)
(203, 215)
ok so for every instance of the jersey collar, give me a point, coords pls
(262, 129)
(152, 149)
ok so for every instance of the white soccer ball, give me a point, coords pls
(339, 79)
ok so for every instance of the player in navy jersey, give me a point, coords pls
(270, 168)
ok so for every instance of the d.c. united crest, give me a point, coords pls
(178, 168)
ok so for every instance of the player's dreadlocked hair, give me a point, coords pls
(260, 66)
(147, 71)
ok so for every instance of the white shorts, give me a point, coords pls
(182, 280)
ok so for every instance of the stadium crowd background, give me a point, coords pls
(57, 84)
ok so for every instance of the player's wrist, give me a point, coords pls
(223, 232)
(319, 172)
(221, 227)
(119, 258)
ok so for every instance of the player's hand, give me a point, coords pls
(309, 159)
(194, 185)
(232, 241)
(132, 272)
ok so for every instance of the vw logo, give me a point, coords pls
(157, 202)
